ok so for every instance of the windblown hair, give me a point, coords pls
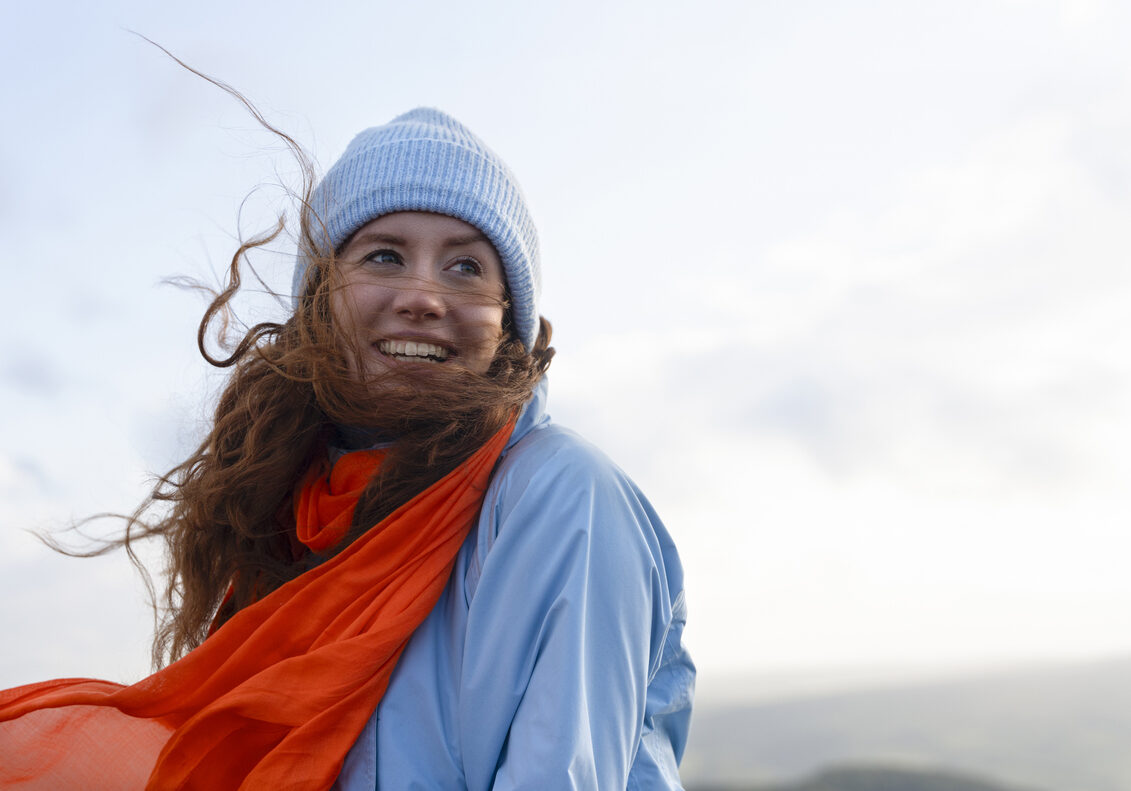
(226, 512)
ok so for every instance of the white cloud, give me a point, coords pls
(897, 435)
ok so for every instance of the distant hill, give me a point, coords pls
(1060, 728)
(875, 779)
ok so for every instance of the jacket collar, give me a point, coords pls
(533, 414)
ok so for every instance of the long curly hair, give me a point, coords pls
(225, 514)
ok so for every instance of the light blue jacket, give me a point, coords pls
(553, 658)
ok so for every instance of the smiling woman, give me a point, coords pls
(418, 287)
(388, 566)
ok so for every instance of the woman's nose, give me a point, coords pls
(419, 298)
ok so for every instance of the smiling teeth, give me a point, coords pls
(413, 349)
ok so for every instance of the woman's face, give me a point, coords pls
(420, 289)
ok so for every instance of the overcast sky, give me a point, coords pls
(843, 286)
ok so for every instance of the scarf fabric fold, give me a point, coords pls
(275, 697)
(325, 505)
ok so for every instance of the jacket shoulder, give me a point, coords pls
(553, 488)
(554, 453)
(556, 489)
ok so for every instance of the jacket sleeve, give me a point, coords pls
(573, 674)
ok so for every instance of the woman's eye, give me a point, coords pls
(467, 266)
(384, 257)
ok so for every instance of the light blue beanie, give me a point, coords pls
(425, 160)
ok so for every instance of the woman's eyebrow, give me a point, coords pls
(458, 241)
(378, 236)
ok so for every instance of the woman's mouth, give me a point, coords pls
(413, 350)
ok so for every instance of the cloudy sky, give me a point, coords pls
(844, 286)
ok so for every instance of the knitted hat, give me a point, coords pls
(425, 160)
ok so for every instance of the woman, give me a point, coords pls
(389, 568)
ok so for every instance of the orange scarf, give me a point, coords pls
(275, 698)
(325, 505)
